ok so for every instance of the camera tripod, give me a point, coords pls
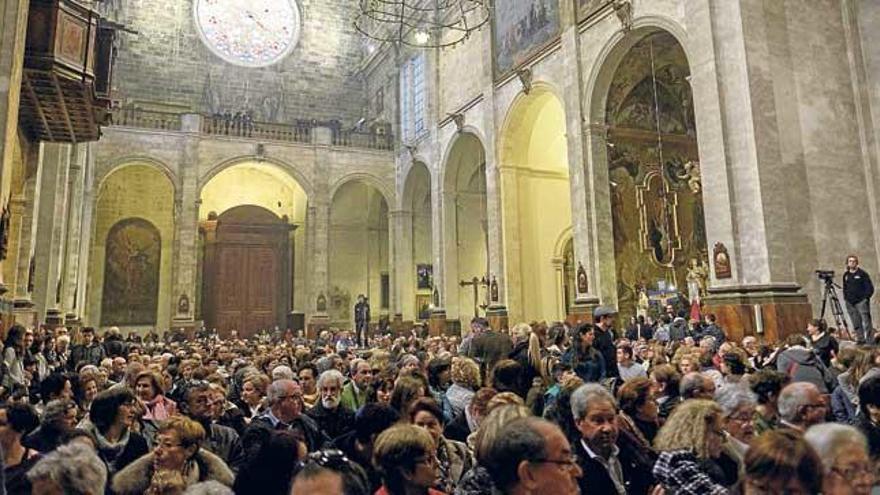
(829, 295)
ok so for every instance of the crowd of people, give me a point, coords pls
(672, 407)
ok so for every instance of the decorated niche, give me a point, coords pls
(655, 184)
(131, 274)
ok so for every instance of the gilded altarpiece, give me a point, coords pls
(655, 182)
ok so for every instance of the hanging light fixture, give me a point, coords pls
(422, 23)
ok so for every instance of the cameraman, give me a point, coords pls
(857, 291)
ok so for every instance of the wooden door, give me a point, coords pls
(247, 278)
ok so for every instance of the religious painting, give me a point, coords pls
(424, 277)
(423, 306)
(521, 28)
(722, 261)
(340, 304)
(588, 8)
(655, 184)
(131, 274)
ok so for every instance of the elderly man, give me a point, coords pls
(285, 399)
(801, 406)
(59, 418)
(696, 385)
(610, 461)
(333, 419)
(355, 392)
(530, 456)
(844, 453)
(220, 440)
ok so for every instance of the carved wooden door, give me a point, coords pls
(246, 272)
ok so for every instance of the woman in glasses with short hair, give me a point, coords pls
(178, 450)
(404, 455)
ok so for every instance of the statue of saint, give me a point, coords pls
(697, 275)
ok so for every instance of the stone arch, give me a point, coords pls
(294, 172)
(121, 163)
(535, 191)
(466, 131)
(370, 179)
(621, 156)
(417, 238)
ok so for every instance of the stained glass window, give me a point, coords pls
(252, 33)
(413, 111)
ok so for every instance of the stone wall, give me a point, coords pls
(166, 64)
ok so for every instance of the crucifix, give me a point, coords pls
(476, 283)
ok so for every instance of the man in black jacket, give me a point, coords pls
(857, 292)
(609, 463)
(604, 339)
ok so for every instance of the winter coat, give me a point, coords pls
(488, 348)
(477, 481)
(802, 365)
(679, 472)
(135, 478)
(589, 365)
(679, 330)
(333, 422)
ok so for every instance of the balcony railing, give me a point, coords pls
(301, 131)
(146, 119)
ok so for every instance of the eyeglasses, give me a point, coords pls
(742, 418)
(295, 397)
(854, 472)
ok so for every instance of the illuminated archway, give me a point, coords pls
(417, 281)
(465, 224)
(136, 190)
(536, 202)
(359, 252)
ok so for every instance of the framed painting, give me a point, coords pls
(424, 277)
(131, 274)
(423, 306)
(520, 29)
(587, 8)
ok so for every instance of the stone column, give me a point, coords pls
(87, 225)
(403, 269)
(13, 27)
(496, 312)
(51, 232)
(71, 255)
(743, 170)
(25, 262)
(318, 227)
(186, 231)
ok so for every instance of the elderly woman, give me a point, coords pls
(738, 408)
(151, 393)
(781, 461)
(692, 435)
(178, 449)
(453, 458)
(86, 391)
(110, 420)
(59, 417)
(404, 455)
(844, 454)
(478, 480)
(253, 393)
(465, 382)
(72, 470)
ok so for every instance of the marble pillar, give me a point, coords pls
(72, 248)
(186, 235)
(23, 306)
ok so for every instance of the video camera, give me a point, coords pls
(826, 275)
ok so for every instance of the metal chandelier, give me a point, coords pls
(422, 23)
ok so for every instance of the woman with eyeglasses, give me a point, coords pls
(404, 455)
(844, 453)
(178, 450)
(689, 442)
(453, 458)
(738, 405)
(111, 417)
(782, 462)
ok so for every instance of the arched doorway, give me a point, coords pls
(359, 252)
(654, 177)
(247, 270)
(536, 199)
(418, 281)
(465, 227)
(251, 218)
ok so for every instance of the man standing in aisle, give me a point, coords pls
(857, 292)
(362, 321)
(603, 318)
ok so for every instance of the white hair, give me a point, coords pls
(330, 375)
(278, 388)
(792, 398)
(353, 367)
(282, 372)
(829, 439)
(75, 467)
(587, 395)
(211, 487)
(733, 396)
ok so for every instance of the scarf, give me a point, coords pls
(109, 450)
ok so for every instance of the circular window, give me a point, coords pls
(251, 33)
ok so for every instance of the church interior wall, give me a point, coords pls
(21, 149)
(136, 190)
(166, 66)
